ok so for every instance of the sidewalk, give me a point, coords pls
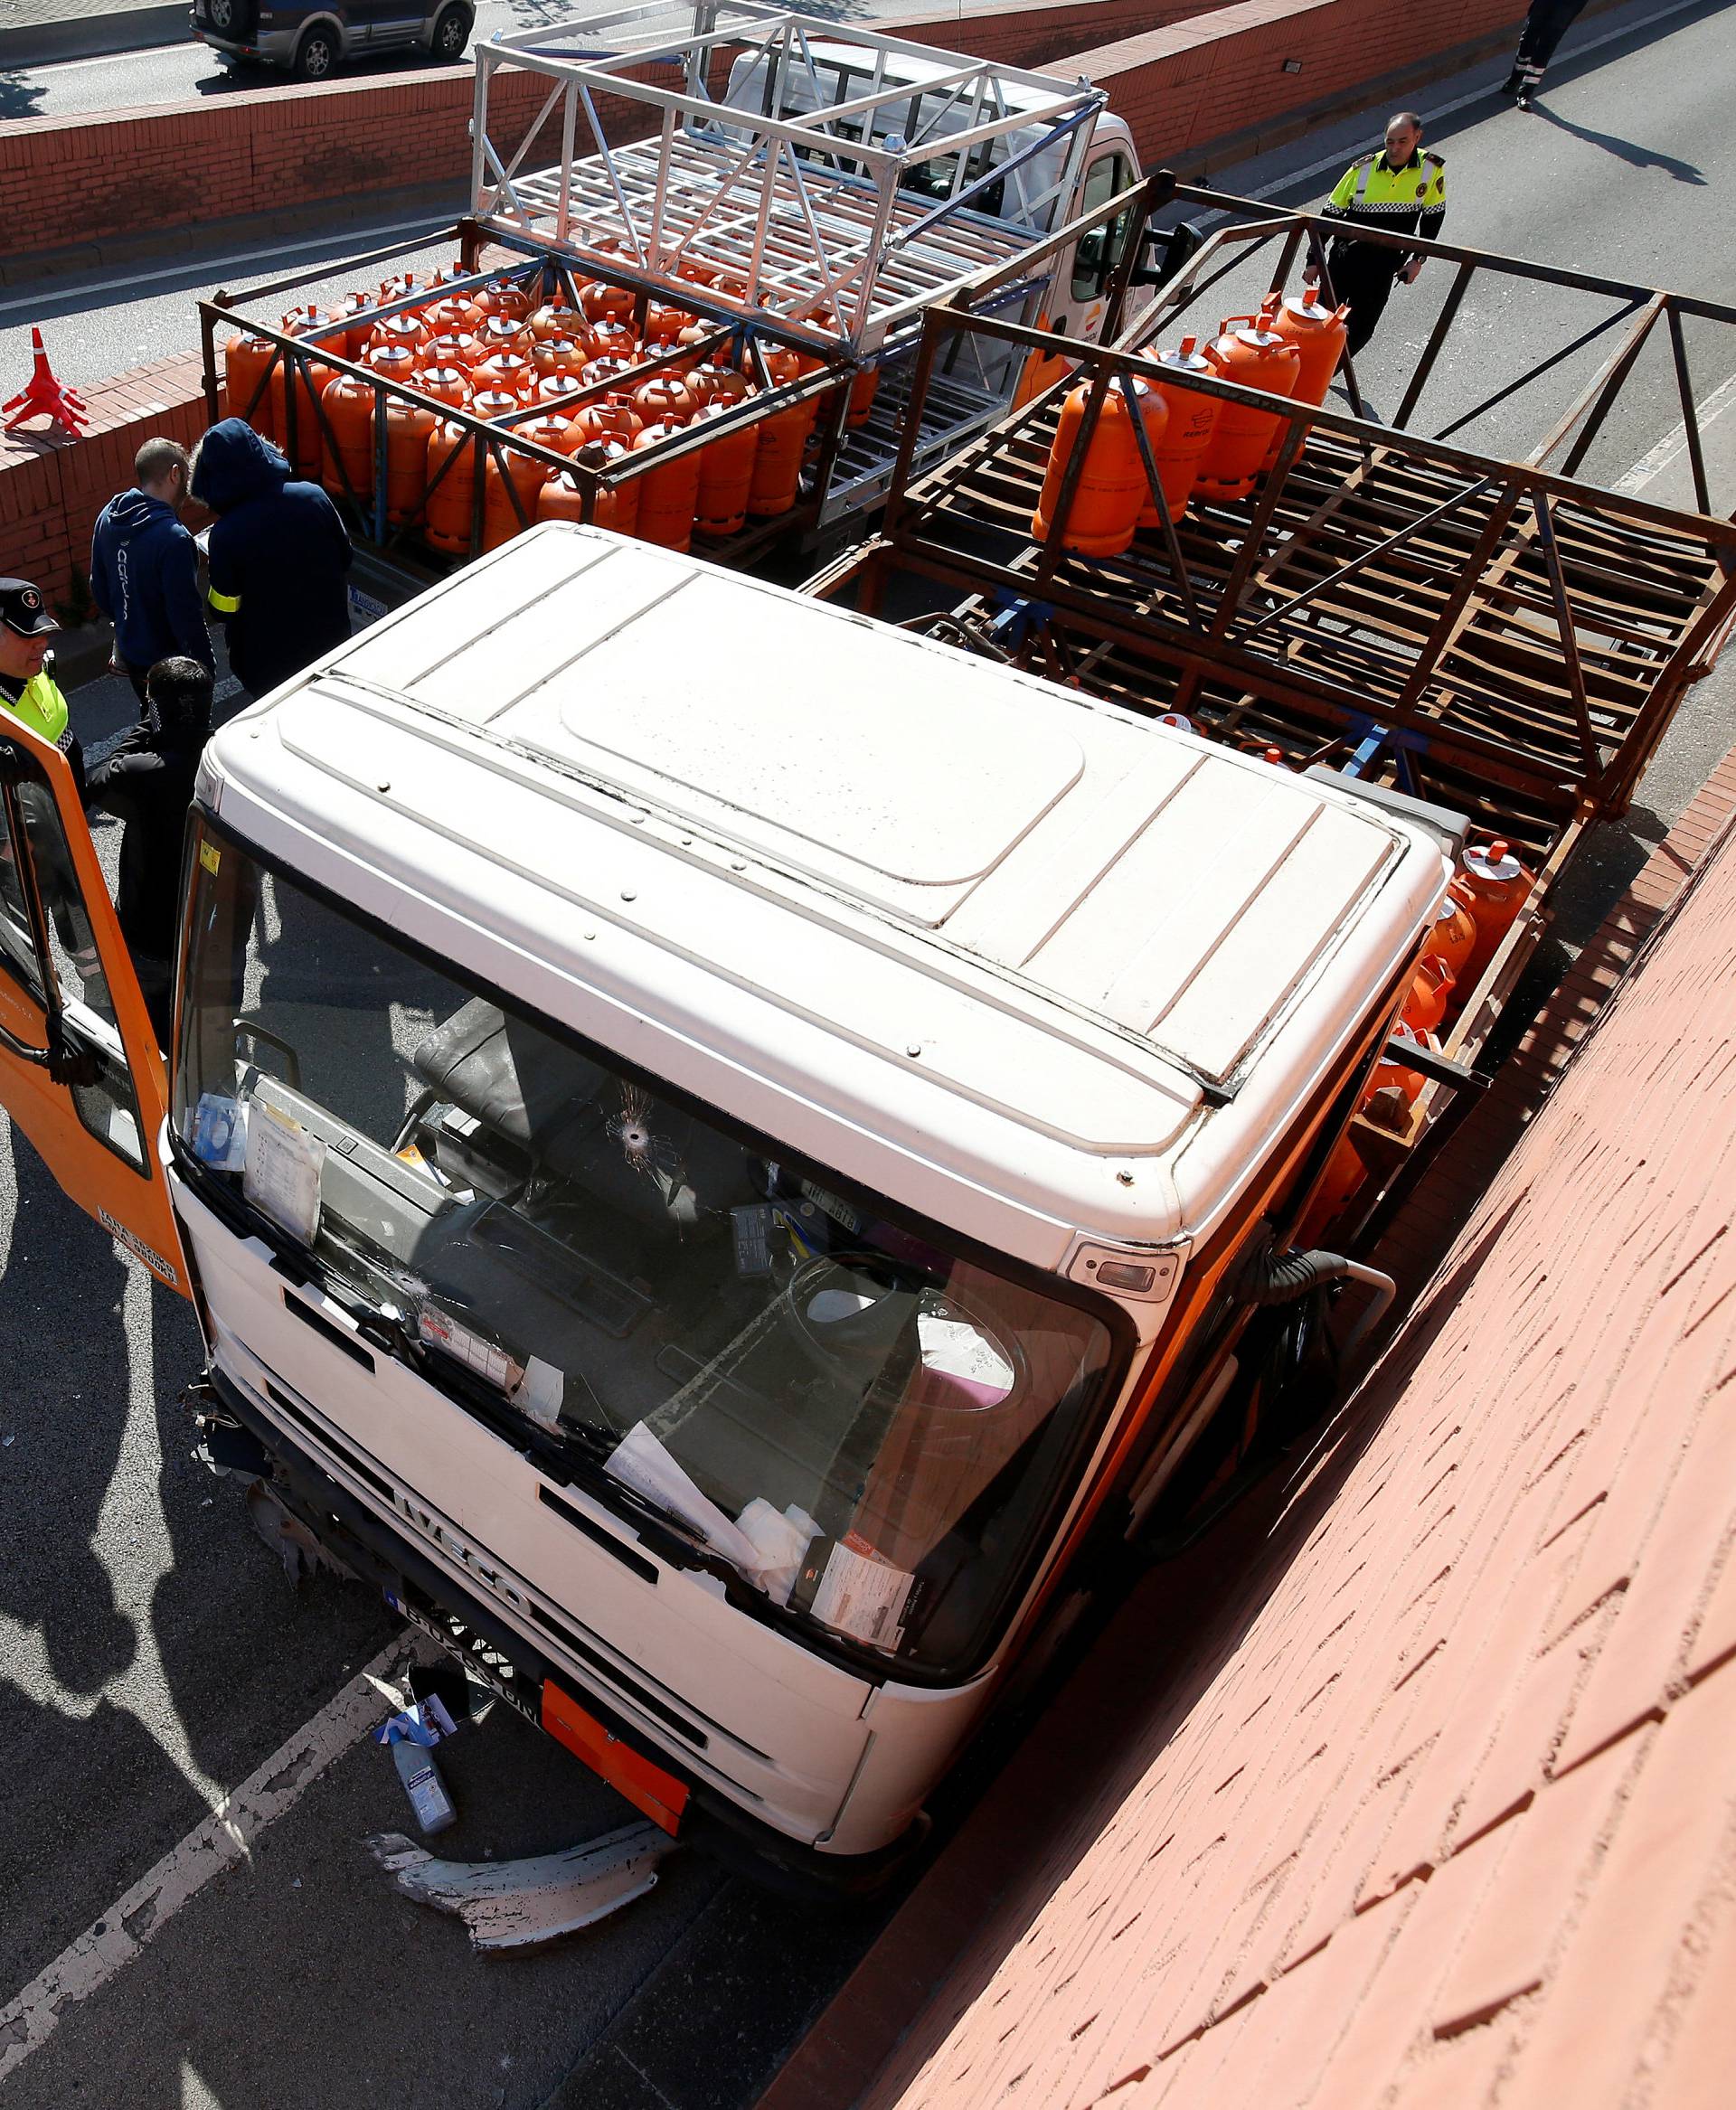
(34, 33)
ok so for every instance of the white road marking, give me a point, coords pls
(87, 1965)
(1673, 445)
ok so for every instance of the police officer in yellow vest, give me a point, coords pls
(28, 689)
(1401, 191)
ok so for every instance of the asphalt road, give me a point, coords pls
(153, 1655)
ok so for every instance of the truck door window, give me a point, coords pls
(870, 1426)
(1097, 253)
(106, 1104)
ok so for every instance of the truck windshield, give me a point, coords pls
(871, 1427)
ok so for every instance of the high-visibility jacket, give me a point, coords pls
(40, 704)
(1411, 199)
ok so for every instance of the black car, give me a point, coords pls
(311, 42)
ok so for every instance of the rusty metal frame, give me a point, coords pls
(1210, 600)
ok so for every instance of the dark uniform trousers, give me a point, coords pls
(1363, 274)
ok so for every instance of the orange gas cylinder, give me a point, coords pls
(562, 497)
(449, 455)
(667, 495)
(509, 371)
(601, 301)
(555, 431)
(777, 461)
(1454, 936)
(555, 387)
(1258, 358)
(393, 363)
(356, 333)
(493, 402)
(725, 474)
(309, 321)
(1318, 333)
(408, 330)
(552, 319)
(500, 520)
(664, 400)
(612, 338)
(445, 384)
(460, 348)
(409, 428)
(406, 282)
(863, 391)
(718, 384)
(695, 333)
(506, 332)
(602, 371)
(307, 455)
(604, 420)
(349, 412)
(1493, 886)
(1388, 1077)
(1112, 485)
(503, 298)
(1431, 989)
(557, 355)
(454, 316)
(808, 364)
(664, 322)
(247, 362)
(1187, 432)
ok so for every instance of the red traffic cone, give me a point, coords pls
(42, 396)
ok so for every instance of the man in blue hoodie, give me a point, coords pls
(279, 555)
(144, 568)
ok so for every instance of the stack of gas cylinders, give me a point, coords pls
(489, 351)
(1198, 446)
(1476, 913)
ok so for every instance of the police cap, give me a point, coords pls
(23, 609)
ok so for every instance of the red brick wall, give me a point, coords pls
(52, 488)
(1411, 1786)
(1043, 35)
(1190, 83)
(65, 181)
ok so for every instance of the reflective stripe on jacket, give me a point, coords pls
(1409, 200)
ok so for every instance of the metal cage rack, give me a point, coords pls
(911, 170)
(1501, 638)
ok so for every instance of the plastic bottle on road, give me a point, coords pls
(424, 1786)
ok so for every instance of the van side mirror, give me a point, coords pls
(1165, 251)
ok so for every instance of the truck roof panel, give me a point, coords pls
(966, 902)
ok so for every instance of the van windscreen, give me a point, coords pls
(871, 1427)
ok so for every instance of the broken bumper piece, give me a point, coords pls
(509, 1905)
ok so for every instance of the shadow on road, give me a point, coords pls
(1631, 151)
(19, 94)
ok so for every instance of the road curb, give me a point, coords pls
(93, 36)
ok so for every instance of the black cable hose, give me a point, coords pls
(1279, 1278)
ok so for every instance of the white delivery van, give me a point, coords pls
(718, 1145)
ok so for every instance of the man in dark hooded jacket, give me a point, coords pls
(146, 783)
(144, 568)
(279, 553)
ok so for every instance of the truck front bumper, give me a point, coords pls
(497, 1656)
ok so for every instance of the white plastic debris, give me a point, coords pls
(511, 1904)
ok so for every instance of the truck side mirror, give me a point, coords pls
(1165, 251)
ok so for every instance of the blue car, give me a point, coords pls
(311, 42)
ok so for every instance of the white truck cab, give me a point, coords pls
(713, 1141)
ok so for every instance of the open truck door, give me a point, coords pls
(79, 1071)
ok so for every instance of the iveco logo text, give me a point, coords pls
(438, 1533)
